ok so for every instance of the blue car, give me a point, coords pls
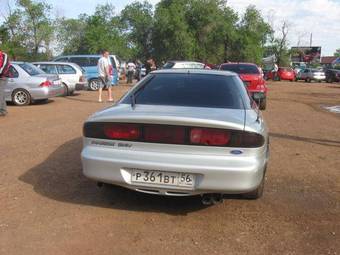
(90, 64)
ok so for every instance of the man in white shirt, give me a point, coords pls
(105, 69)
(131, 67)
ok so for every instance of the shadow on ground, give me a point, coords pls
(324, 142)
(60, 178)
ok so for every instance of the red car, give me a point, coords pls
(284, 73)
(252, 77)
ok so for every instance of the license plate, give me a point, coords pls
(163, 178)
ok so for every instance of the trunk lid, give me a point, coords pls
(173, 115)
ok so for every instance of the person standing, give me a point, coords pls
(131, 68)
(105, 75)
(4, 67)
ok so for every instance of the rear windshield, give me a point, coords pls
(192, 90)
(241, 68)
(31, 69)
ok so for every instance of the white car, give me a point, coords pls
(72, 76)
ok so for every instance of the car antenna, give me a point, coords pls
(133, 101)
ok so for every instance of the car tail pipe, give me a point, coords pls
(212, 199)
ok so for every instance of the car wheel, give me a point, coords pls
(94, 84)
(263, 104)
(21, 97)
(66, 91)
(308, 80)
(329, 80)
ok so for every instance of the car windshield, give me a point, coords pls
(286, 69)
(31, 69)
(241, 68)
(192, 90)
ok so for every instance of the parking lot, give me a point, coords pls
(49, 207)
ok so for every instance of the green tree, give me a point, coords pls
(137, 20)
(171, 37)
(29, 30)
(253, 34)
(337, 53)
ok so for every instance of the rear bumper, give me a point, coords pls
(228, 174)
(46, 92)
(81, 85)
(319, 78)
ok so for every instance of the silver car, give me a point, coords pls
(184, 64)
(72, 76)
(180, 133)
(27, 83)
(310, 74)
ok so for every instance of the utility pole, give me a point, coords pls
(311, 40)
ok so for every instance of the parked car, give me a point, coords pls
(180, 132)
(90, 64)
(252, 77)
(185, 64)
(27, 83)
(72, 76)
(332, 75)
(283, 73)
(311, 74)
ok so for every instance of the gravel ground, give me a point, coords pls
(48, 207)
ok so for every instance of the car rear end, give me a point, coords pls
(286, 73)
(82, 83)
(318, 75)
(252, 78)
(179, 147)
(47, 86)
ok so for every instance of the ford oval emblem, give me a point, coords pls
(236, 152)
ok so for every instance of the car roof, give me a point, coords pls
(85, 55)
(239, 63)
(54, 63)
(184, 61)
(194, 71)
(18, 62)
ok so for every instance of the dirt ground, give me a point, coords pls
(49, 207)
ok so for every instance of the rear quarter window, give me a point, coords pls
(192, 90)
(66, 69)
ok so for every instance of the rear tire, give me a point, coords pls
(94, 84)
(263, 104)
(21, 97)
(66, 90)
(309, 80)
(329, 80)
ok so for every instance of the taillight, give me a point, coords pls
(122, 131)
(166, 134)
(46, 84)
(209, 136)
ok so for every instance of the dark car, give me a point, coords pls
(252, 77)
(332, 75)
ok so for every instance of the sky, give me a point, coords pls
(321, 18)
